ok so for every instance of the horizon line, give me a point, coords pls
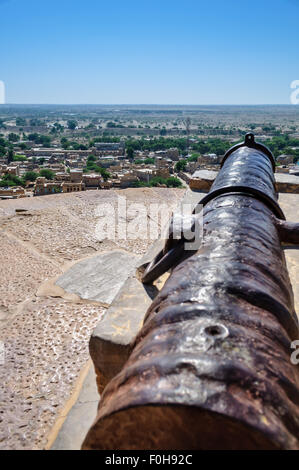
(144, 104)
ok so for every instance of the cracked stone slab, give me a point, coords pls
(99, 278)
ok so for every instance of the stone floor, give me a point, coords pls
(45, 325)
(44, 329)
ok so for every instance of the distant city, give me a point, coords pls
(47, 149)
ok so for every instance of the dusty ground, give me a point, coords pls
(46, 337)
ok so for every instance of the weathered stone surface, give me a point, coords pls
(80, 417)
(45, 338)
(21, 271)
(110, 342)
(202, 180)
(45, 348)
(98, 278)
(64, 225)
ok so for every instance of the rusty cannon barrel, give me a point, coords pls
(211, 368)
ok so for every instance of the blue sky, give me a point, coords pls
(149, 52)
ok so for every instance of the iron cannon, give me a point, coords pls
(211, 368)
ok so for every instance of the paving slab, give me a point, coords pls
(80, 417)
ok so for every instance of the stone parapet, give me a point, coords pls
(202, 180)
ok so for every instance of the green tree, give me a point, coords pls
(180, 165)
(20, 122)
(48, 174)
(171, 182)
(3, 146)
(77, 146)
(130, 153)
(35, 122)
(58, 127)
(11, 180)
(23, 146)
(45, 140)
(10, 156)
(30, 176)
(147, 161)
(33, 137)
(19, 158)
(193, 158)
(12, 137)
(111, 124)
(72, 124)
(65, 143)
(105, 174)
